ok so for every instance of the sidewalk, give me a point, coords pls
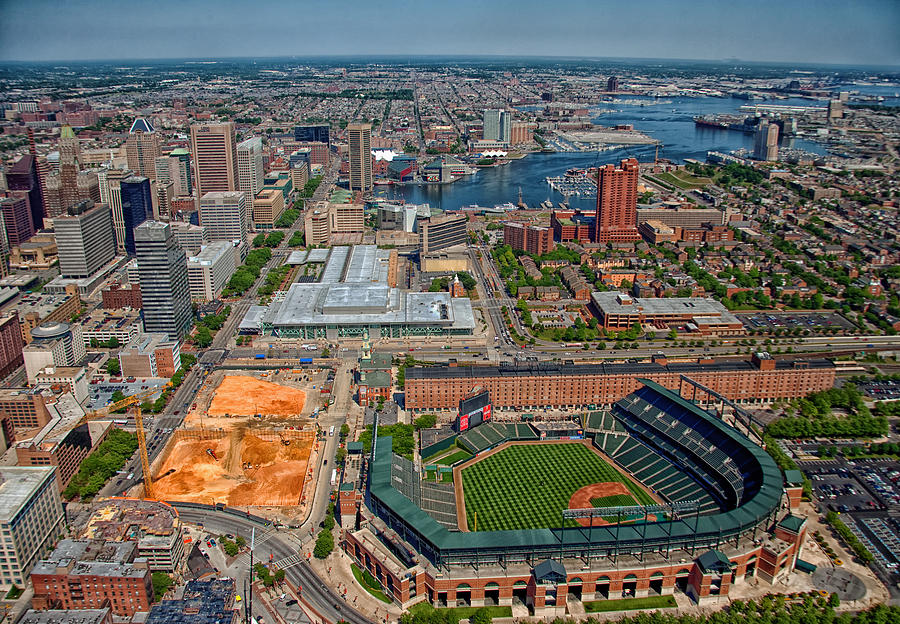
(336, 569)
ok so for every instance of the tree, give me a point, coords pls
(240, 541)
(112, 367)
(117, 396)
(258, 240)
(161, 584)
(425, 421)
(324, 544)
(204, 337)
(481, 616)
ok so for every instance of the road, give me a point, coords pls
(280, 545)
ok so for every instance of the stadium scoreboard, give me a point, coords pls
(473, 411)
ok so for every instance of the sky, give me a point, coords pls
(851, 32)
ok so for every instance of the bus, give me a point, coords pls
(334, 477)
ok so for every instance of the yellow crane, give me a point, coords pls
(134, 399)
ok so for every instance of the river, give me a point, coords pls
(670, 121)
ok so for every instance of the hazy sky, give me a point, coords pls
(814, 31)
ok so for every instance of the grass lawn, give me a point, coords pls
(369, 583)
(459, 455)
(528, 486)
(630, 604)
(455, 614)
(683, 180)
(617, 500)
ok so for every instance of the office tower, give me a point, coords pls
(16, 218)
(190, 237)
(137, 207)
(616, 216)
(114, 178)
(142, 148)
(497, 125)
(312, 134)
(224, 215)
(175, 169)
(251, 171)
(765, 141)
(85, 239)
(436, 233)
(835, 109)
(165, 193)
(267, 207)
(612, 84)
(210, 270)
(62, 187)
(359, 137)
(215, 157)
(31, 518)
(23, 176)
(165, 290)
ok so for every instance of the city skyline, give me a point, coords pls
(802, 32)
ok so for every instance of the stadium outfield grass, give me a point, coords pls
(526, 486)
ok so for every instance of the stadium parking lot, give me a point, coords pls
(791, 320)
(881, 390)
(838, 490)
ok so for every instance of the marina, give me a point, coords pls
(569, 185)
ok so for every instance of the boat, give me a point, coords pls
(710, 123)
(383, 182)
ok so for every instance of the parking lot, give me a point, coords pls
(881, 390)
(102, 391)
(840, 491)
(793, 320)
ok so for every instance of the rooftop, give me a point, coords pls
(612, 302)
(66, 616)
(18, 485)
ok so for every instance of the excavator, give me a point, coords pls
(133, 400)
(284, 441)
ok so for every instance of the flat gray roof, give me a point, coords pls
(253, 319)
(17, 485)
(609, 303)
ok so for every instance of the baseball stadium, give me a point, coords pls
(657, 495)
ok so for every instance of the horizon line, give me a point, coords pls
(386, 55)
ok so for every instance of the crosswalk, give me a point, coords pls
(289, 562)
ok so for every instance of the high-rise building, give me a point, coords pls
(267, 207)
(441, 232)
(359, 137)
(23, 176)
(612, 84)
(175, 168)
(53, 345)
(11, 345)
(165, 290)
(251, 172)
(210, 270)
(114, 178)
(31, 518)
(190, 237)
(497, 125)
(215, 157)
(85, 239)
(16, 218)
(765, 141)
(616, 216)
(312, 134)
(62, 188)
(142, 148)
(224, 215)
(137, 207)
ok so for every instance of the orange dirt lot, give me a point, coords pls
(582, 499)
(240, 395)
(278, 479)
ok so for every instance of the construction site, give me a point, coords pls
(245, 442)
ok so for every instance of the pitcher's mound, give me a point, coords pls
(601, 495)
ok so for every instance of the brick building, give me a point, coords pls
(11, 344)
(85, 574)
(760, 379)
(568, 226)
(533, 239)
(122, 296)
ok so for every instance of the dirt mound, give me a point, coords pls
(240, 395)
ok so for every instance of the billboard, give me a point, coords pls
(473, 411)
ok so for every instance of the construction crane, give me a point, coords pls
(134, 399)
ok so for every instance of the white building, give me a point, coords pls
(225, 216)
(31, 518)
(251, 168)
(210, 270)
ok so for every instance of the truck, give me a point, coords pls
(306, 360)
(334, 477)
(260, 356)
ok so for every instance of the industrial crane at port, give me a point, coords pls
(135, 400)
